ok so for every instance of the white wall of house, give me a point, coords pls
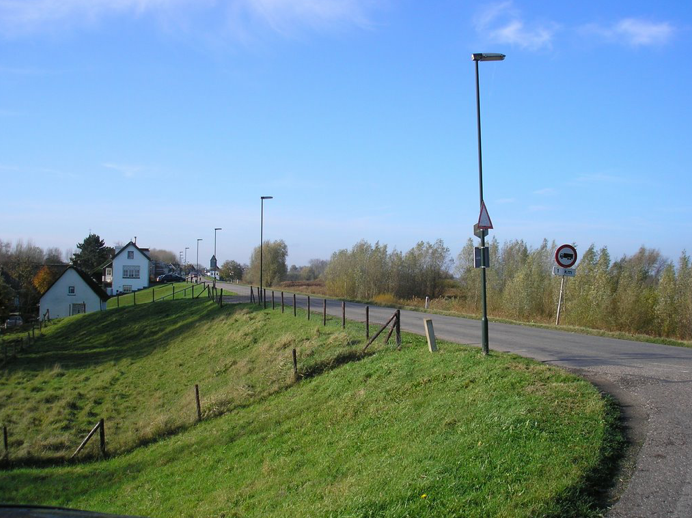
(130, 270)
(70, 295)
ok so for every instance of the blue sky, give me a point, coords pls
(163, 119)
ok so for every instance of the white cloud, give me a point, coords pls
(634, 32)
(21, 17)
(502, 23)
(548, 191)
(128, 171)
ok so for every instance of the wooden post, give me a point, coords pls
(153, 290)
(221, 299)
(398, 328)
(199, 405)
(264, 298)
(173, 285)
(193, 290)
(295, 365)
(117, 299)
(102, 438)
(282, 301)
(308, 307)
(294, 304)
(367, 322)
(343, 314)
(324, 312)
(273, 306)
(252, 295)
(430, 334)
(134, 298)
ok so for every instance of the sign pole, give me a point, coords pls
(559, 301)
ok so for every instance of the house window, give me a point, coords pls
(131, 271)
(78, 309)
(127, 288)
(109, 274)
(70, 290)
(130, 254)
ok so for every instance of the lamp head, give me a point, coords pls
(487, 56)
(266, 197)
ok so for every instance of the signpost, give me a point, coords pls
(565, 257)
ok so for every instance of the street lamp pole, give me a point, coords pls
(216, 269)
(197, 265)
(484, 303)
(262, 198)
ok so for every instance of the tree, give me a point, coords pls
(93, 253)
(163, 256)
(44, 278)
(274, 267)
(231, 270)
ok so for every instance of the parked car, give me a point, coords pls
(170, 277)
(14, 321)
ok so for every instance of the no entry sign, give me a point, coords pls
(565, 256)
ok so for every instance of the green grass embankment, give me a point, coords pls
(398, 433)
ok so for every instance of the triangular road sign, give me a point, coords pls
(484, 218)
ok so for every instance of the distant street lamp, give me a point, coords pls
(484, 303)
(262, 198)
(185, 263)
(198, 240)
(216, 269)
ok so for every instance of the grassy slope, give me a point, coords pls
(497, 436)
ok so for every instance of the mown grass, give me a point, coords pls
(164, 292)
(398, 433)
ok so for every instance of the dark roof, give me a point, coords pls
(86, 278)
(141, 251)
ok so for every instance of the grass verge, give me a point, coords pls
(398, 433)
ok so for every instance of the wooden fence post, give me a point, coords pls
(308, 307)
(173, 286)
(273, 306)
(153, 298)
(134, 298)
(295, 365)
(398, 328)
(324, 312)
(282, 302)
(367, 322)
(294, 304)
(343, 314)
(221, 299)
(102, 437)
(199, 406)
(117, 299)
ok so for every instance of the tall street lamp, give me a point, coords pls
(197, 265)
(262, 198)
(186, 249)
(216, 269)
(484, 319)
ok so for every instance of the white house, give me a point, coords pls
(72, 293)
(129, 270)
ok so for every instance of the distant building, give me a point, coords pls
(72, 293)
(128, 271)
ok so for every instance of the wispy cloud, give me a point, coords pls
(634, 32)
(548, 191)
(503, 23)
(21, 17)
(128, 171)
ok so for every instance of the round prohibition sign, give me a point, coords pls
(566, 256)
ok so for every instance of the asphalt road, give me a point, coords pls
(653, 384)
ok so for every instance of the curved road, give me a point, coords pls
(653, 384)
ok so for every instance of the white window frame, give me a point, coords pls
(131, 271)
(130, 254)
(71, 291)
